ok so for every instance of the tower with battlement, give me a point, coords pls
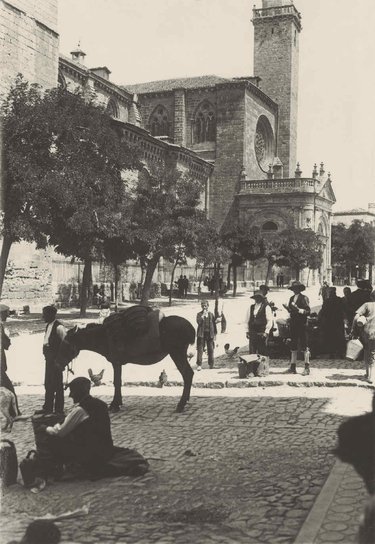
(277, 25)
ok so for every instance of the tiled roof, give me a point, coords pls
(170, 84)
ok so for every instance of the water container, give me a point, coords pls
(353, 349)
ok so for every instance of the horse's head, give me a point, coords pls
(68, 348)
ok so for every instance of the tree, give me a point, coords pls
(353, 246)
(26, 158)
(244, 243)
(165, 215)
(300, 248)
(85, 194)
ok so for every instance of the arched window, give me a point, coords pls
(112, 108)
(204, 124)
(269, 226)
(159, 123)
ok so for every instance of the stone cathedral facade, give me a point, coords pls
(238, 134)
(247, 128)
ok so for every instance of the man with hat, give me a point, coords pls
(259, 324)
(299, 309)
(357, 298)
(53, 379)
(85, 439)
(206, 334)
(5, 343)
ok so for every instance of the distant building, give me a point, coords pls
(356, 214)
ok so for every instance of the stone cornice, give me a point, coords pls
(84, 74)
(143, 134)
(277, 12)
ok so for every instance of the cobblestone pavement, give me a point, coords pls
(258, 465)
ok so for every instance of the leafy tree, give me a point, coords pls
(81, 199)
(164, 216)
(353, 246)
(244, 243)
(26, 158)
(300, 248)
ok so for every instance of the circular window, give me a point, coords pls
(264, 143)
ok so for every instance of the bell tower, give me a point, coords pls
(277, 25)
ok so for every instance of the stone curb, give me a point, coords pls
(315, 518)
(241, 384)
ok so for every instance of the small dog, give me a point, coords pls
(7, 400)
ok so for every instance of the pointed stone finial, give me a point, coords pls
(270, 172)
(315, 171)
(321, 171)
(243, 175)
(329, 176)
(298, 171)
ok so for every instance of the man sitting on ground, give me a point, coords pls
(85, 439)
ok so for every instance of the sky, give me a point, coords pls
(147, 40)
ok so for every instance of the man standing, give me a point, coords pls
(206, 335)
(299, 309)
(357, 298)
(53, 380)
(259, 324)
(5, 343)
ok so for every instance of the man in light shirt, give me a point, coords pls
(53, 379)
(259, 321)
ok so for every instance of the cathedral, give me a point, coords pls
(238, 135)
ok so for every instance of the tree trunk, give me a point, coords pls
(269, 270)
(234, 280)
(117, 284)
(216, 286)
(146, 291)
(5, 249)
(85, 287)
(171, 284)
(228, 275)
(200, 280)
(297, 273)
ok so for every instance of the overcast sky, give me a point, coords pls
(146, 40)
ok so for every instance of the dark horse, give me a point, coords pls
(176, 333)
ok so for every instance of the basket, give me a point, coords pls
(353, 349)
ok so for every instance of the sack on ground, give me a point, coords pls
(8, 463)
(28, 468)
(126, 462)
(353, 349)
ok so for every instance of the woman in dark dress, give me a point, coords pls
(331, 324)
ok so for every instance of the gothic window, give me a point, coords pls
(204, 129)
(269, 226)
(112, 108)
(159, 123)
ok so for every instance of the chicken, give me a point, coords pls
(231, 352)
(163, 378)
(96, 378)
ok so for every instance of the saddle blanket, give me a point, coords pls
(141, 346)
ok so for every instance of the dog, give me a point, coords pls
(7, 401)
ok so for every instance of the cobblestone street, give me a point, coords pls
(239, 469)
(249, 461)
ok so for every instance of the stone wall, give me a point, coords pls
(28, 42)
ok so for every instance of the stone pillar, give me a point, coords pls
(179, 117)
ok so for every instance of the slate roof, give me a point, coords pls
(170, 84)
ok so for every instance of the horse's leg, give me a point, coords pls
(179, 356)
(117, 398)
